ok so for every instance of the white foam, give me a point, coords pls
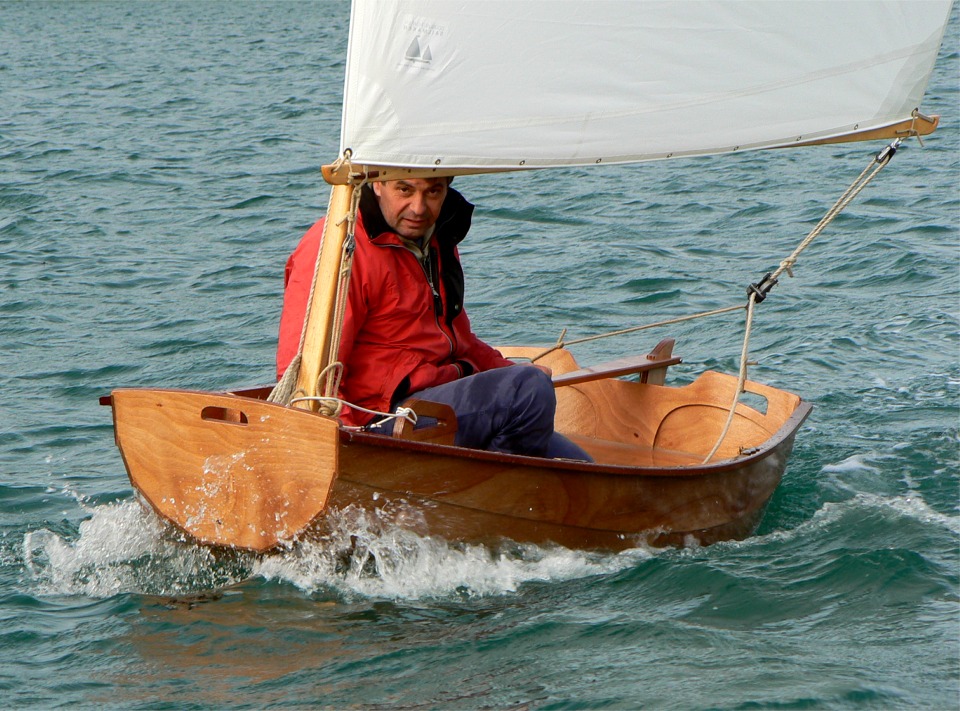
(121, 548)
(365, 557)
(855, 463)
(124, 548)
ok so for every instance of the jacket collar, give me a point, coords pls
(452, 225)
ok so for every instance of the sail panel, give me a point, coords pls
(501, 84)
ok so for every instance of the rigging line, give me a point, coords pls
(286, 388)
(405, 413)
(563, 344)
(332, 375)
(755, 296)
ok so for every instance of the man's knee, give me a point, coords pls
(535, 386)
(534, 402)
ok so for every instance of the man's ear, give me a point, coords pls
(376, 188)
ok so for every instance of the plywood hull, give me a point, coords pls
(487, 497)
(232, 470)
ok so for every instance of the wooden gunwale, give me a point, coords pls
(348, 436)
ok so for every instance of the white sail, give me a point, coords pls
(505, 84)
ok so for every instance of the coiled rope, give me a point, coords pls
(328, 381)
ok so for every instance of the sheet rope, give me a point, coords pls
(756, 292)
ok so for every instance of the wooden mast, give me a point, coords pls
(320, 312)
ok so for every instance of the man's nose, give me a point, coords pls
(418, 203)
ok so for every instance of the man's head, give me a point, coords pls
(411, 207)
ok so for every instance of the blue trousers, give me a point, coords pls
(506, 410)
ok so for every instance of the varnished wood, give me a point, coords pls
(443, 432)
(919, 126)
(648, 482)
(246, 474)
(317, 337)
(653, 364)
(344, 174)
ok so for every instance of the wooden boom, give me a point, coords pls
(342, 174)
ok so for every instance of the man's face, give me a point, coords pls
(411, 207)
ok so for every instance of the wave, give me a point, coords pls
(125, 548)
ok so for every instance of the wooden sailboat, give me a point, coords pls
(423, 97)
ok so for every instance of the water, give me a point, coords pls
(157, 164)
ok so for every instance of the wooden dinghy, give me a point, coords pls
(220, 469)
(234, 469)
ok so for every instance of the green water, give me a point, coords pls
(158, 161)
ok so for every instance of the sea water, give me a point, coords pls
(158, 161)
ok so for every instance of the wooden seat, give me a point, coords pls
(443, 432)
(652, 367)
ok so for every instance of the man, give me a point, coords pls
(405, 331)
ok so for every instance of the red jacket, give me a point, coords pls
(397, 339)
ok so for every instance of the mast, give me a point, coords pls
(321, 312)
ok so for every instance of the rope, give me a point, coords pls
(332, 375)
(563, 344)
(284, 391)
(741, 379)
(878, 164)
(337, 404)
(758, 294)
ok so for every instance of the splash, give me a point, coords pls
(124, 548)
(365, 556)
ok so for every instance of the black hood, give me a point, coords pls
(452, 226)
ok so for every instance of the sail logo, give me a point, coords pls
(418, 53)
(422, 42)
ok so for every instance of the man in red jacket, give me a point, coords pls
(406, 333)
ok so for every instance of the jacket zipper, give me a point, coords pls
(437, 299)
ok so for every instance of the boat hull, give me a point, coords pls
(229, 469)
(488, 498)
